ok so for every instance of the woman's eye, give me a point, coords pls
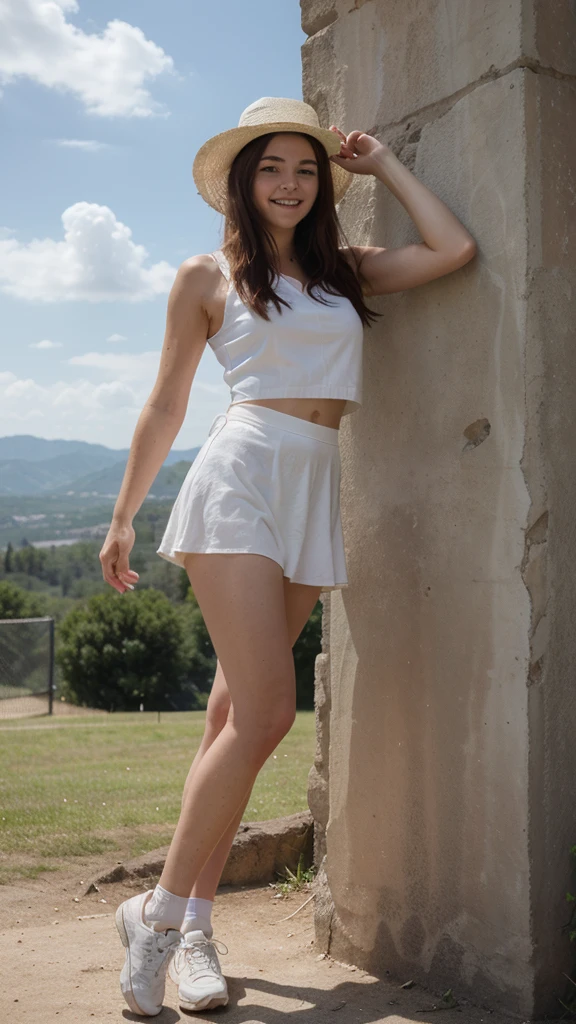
(303, 170)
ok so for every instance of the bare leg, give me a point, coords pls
(242, 601)
(300, 601)
(217, 713)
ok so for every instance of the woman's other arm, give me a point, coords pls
(187, 326)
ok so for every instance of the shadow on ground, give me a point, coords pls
(61, 966)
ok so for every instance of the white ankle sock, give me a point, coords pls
(165, 910)
(197, 917)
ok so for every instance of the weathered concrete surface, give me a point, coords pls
(261, 850)
(386, 59)
(445, 687)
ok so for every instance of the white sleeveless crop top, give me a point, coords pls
(309, 351)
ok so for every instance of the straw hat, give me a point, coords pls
(268, 114)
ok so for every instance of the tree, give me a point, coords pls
(29, 560)
(120, 650)
(16, 603)
(197, 643)
(307, 646)
(66, 580)
(9, 558)
(162, 575)
(202, 656)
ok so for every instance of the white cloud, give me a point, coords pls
(107, 71)
(75, 402)
(137, 368)
(46, 344)
(116, 337)
(123, 366)
(23, 391)
(93, 397)
(115, 395)
(97, 261)
(86, 145)
(105, 411)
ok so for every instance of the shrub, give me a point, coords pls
(117, 651)
(16, 603)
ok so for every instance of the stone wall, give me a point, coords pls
(443, 787)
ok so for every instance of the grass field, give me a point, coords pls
(80, 786)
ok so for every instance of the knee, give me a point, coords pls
(286, 719)
(265, 727)
(279, 722)
(217, 712)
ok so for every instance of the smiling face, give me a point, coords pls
(285, 182)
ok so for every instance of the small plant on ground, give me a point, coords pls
(290, 882)
(449, 1000)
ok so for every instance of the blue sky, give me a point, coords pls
(103, 107)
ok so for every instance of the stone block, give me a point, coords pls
(261, 850)
(377, 63)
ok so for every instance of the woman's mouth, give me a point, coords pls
(286, 202)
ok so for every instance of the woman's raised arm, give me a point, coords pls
(447, 244)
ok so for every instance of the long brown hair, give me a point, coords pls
(251, 249)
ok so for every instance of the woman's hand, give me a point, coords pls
(114, 557)
(359, 153)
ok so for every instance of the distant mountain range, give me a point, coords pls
(34, 466)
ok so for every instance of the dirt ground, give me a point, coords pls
(60, 962)
(37, 707)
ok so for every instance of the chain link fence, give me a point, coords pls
(26, 667)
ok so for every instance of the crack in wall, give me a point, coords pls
(535, 547)
(438, 109)
(330, 920)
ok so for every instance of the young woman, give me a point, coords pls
(257, 522)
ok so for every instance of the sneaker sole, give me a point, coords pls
(126, 986)
(203, 1004)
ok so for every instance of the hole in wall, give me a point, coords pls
(538, 532)
(475, 433)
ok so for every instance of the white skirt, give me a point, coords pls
(267, 483)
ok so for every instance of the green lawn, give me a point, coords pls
(87, 785)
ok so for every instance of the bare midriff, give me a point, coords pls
(325, 411)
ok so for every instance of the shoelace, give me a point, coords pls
(199, 956)
(164, 946)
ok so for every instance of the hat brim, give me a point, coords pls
(213, 160)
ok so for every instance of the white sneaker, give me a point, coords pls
(143, 976)
(195, 968)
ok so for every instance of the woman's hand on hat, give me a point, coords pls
(359, 152)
